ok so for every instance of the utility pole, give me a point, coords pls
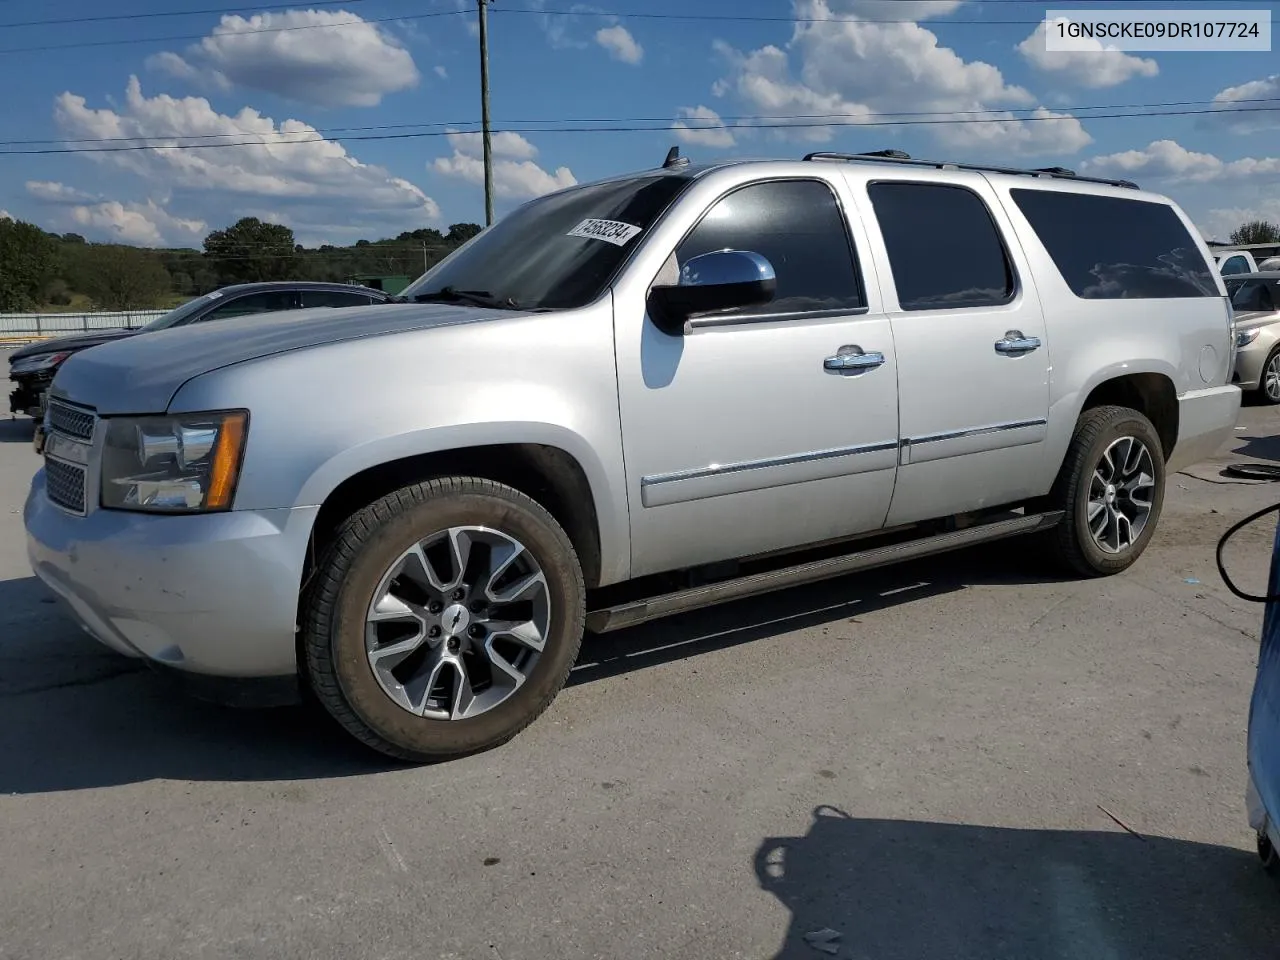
(484, 111)
(425, 268)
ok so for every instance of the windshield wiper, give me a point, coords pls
(478, 298)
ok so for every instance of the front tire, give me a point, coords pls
(444, 618)
(1269, 383)
(1111, 489)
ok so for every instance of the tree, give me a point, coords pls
(122, 278)
(460, 233)
(1256, 231)
(28, 261)
(251, 250)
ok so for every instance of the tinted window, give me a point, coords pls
(799, 228)
(180, 315)
(943, 246)
(552, 252)
(1235, 265)
(253, 303)
(334, 298)
(1110, 248)
(1255, 295)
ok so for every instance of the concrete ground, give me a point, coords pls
(918, 760)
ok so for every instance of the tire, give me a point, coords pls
(341, 640)
(1261, 393)
(1072, 544)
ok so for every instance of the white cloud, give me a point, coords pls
(620, 44)
(855, 68)
(1088, 64)
(139, 224)
(515, 174)
(290, 166)
(693, 125)
(1239, 106)
(441, 72)
(1220, 222)
(49, 191)
(306, 58)
(1168, 160)
(5, 214)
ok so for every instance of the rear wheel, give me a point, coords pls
(444, 618)
(1111, 488)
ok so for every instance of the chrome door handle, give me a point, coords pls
(1015, 342)
(852, 359)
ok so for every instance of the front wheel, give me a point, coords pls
(1111, 489)
(444, 618)
(1269, 384)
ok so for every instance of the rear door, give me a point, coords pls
(973, 362)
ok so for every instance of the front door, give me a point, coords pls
(744, 434)
(973, 357)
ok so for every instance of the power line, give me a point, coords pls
(748, 120)
(164, 13)
(853, 122)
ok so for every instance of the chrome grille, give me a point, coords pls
(64, 483)
(72, 421)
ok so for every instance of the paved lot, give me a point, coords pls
(915, 759)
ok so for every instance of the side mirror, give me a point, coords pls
(721, 280)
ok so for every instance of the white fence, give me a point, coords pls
(58, 324)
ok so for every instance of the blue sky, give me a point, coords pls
(398, 69)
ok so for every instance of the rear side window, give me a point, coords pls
(1112, 248)
(798, 226)
(1235, 265)
(334, 298)
(944, 248)
(253, 303)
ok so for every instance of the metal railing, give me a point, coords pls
(34, 326)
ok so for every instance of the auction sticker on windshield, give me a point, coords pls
(610, 231)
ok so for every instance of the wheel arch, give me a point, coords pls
(1152, 393)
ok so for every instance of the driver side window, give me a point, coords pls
(798, 226)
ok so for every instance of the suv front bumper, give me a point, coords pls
(212, 594)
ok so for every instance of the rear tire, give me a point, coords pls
(1111, 489)
(444, 618)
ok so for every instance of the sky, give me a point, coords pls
(349, 119)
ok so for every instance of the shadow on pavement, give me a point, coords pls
(20, 430)
(74, 714)
(1258, 448)
(907, 890)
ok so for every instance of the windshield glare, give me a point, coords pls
(553, 252)
(177, 314)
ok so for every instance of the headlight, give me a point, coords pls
(1246, 337)
(187, 463)
(42, 361)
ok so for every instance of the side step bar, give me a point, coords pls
(636, 612)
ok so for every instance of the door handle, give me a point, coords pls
(852, 359)
(1014, 342)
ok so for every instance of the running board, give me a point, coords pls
(636, 612)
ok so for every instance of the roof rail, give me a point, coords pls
(897, 156)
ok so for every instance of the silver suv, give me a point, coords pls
(625, 400)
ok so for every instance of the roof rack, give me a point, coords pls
(897, 156)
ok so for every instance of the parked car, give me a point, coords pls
(1234, 262)
(1255, 297)
(625, 400)
(32, 367)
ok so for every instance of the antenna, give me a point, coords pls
(674, 159)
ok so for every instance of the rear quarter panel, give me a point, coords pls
(1093, 341)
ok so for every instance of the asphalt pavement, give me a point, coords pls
(967, 757)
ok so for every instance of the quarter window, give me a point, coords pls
(798, 226)
(334, 298)
(1113, 248)
(944, 248)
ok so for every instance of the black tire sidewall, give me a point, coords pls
(1262, 381)
(374, 556)
(1126, 424)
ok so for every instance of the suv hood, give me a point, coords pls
(141, 374)
(76, 341)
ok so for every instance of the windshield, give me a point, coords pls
(556, 252)
(1256, 295)
(178, 314)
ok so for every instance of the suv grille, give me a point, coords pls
(64, 483)
(70, 420)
